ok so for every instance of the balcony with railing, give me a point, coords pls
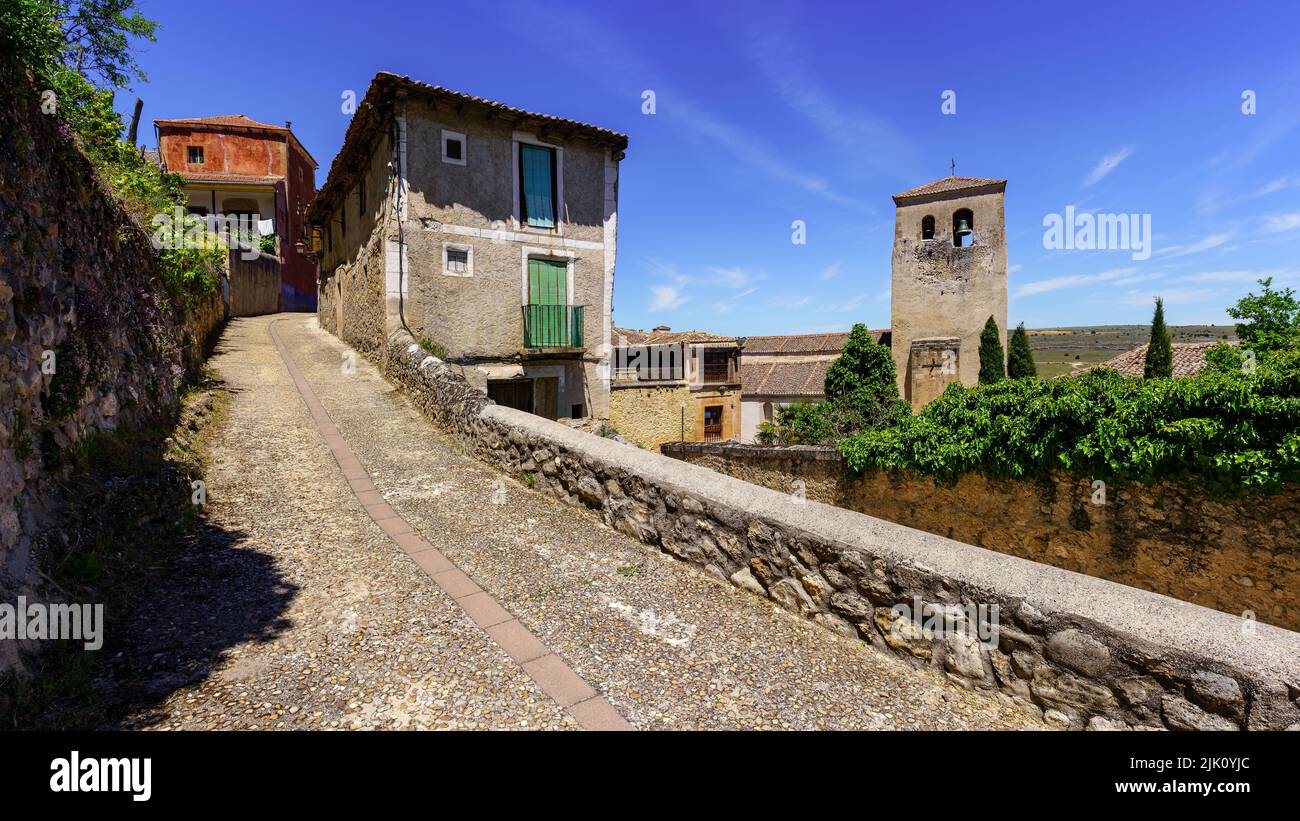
(553, 328)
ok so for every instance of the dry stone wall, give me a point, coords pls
(87, 343)
(1084, 652)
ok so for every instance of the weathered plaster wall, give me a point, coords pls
(1235, 556)
(1083, 651)
(78, 290)
(652, 416)
(939, 290)
(254, 285)
(478, 317)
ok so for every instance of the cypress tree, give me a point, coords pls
(1020, 359)
(1160, 353)
(992, 365)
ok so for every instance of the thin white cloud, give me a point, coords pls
(1212, 241)
(830, 271)
(735, 277)
(1279, 223)
(1043, 286)
(1108, 164)
(665, 297)
(790, 303)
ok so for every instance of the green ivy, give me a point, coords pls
(1231, 433)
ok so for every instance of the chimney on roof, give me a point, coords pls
(288, 124)
(663, 328)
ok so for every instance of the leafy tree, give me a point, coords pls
(864, 372)
(992, 363)
(1224, 358)
(1271, 320)
(1160, 351)
(1020, 359)
(861, 388)
(97, 38)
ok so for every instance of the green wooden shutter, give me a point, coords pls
(539, 203)
(548, 298)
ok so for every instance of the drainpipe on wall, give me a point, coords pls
(399, 150)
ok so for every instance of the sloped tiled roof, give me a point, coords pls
(222, 119)
(660, 337)
(1189, 359)
(947, 185)
(803, 343)
(805, 379)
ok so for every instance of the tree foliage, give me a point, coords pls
(861, 389)
(992, 364)
(1160, 351)
(1231, 432)
(1020, 358)
(1270, 321)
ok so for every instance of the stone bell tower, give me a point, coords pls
(949, 277)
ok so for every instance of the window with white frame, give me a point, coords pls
(453, 147)
(457, 259)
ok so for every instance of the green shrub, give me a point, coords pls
(1231, 433)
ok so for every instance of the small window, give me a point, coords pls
(458, 260)
(361, 199)
(343, 221)
(575, 412)
(194, 154)
(453, 147)
(927, 227)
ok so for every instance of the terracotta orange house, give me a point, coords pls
(234, 165)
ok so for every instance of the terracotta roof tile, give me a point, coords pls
(803, 343)
(635, 337)
(946, 185)
(801, 379)
(1189, 359)
(222, 119)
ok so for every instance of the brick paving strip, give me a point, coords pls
(550, 672)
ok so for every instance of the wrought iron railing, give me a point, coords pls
(553, 326)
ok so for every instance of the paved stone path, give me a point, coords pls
(555, 622)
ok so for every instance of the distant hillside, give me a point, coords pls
(1060, 350)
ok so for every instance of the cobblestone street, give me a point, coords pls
(367, 639)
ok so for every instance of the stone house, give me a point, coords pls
(673, 386)
(949, 275)
(784, 370)
(486, 230)
(235, 166)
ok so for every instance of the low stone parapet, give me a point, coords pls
(1083, 651)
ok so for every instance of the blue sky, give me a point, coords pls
(771, 113)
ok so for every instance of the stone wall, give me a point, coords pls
(87, 344)
(1081, 651)
(1238, 556)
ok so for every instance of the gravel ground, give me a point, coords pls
(304, 613)
(372, 643)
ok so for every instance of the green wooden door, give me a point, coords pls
(548, 300)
